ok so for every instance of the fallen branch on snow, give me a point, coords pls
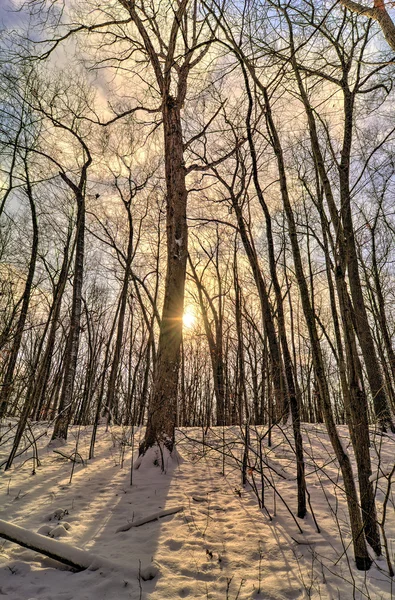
(302, 540)
(69, 555)
(74, 457)
(154, 517)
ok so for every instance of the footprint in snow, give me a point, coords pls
(174, 544)
(149, 572)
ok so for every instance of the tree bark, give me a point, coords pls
(379, 13)
(162, 410)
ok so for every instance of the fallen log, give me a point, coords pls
(154, 517)
(69, 555)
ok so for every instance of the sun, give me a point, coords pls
(188, 319)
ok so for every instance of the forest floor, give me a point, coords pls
(220, 546)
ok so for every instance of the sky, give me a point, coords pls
(9, 17)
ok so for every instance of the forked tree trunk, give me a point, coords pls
(346, 243)
(353, 314)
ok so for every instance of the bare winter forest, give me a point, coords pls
(197, 281)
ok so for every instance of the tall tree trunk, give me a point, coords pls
(362, 326)
(290, 399)
(35, 395)
(362, 559)
(162, 410)
(121, 319)
(354, 398)
(44, 369)
(240, 388)
(71, 354)
(380, 303)
(267, 317)
(215, 344)
(7, 383)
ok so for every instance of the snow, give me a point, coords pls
(37, 541)
(221, 546)
(154, 517)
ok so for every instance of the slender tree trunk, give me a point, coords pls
(290, 399)
(107, 358)
(215, 344)
(378, 303)
(121, 318)
(44, 369)
(354, 398)
(34, 397)
(7, 384)
(361, 318)
(362, 558)
(71, 353)
(241, 392)
(267, 317)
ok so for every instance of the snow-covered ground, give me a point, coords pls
(220, 546)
